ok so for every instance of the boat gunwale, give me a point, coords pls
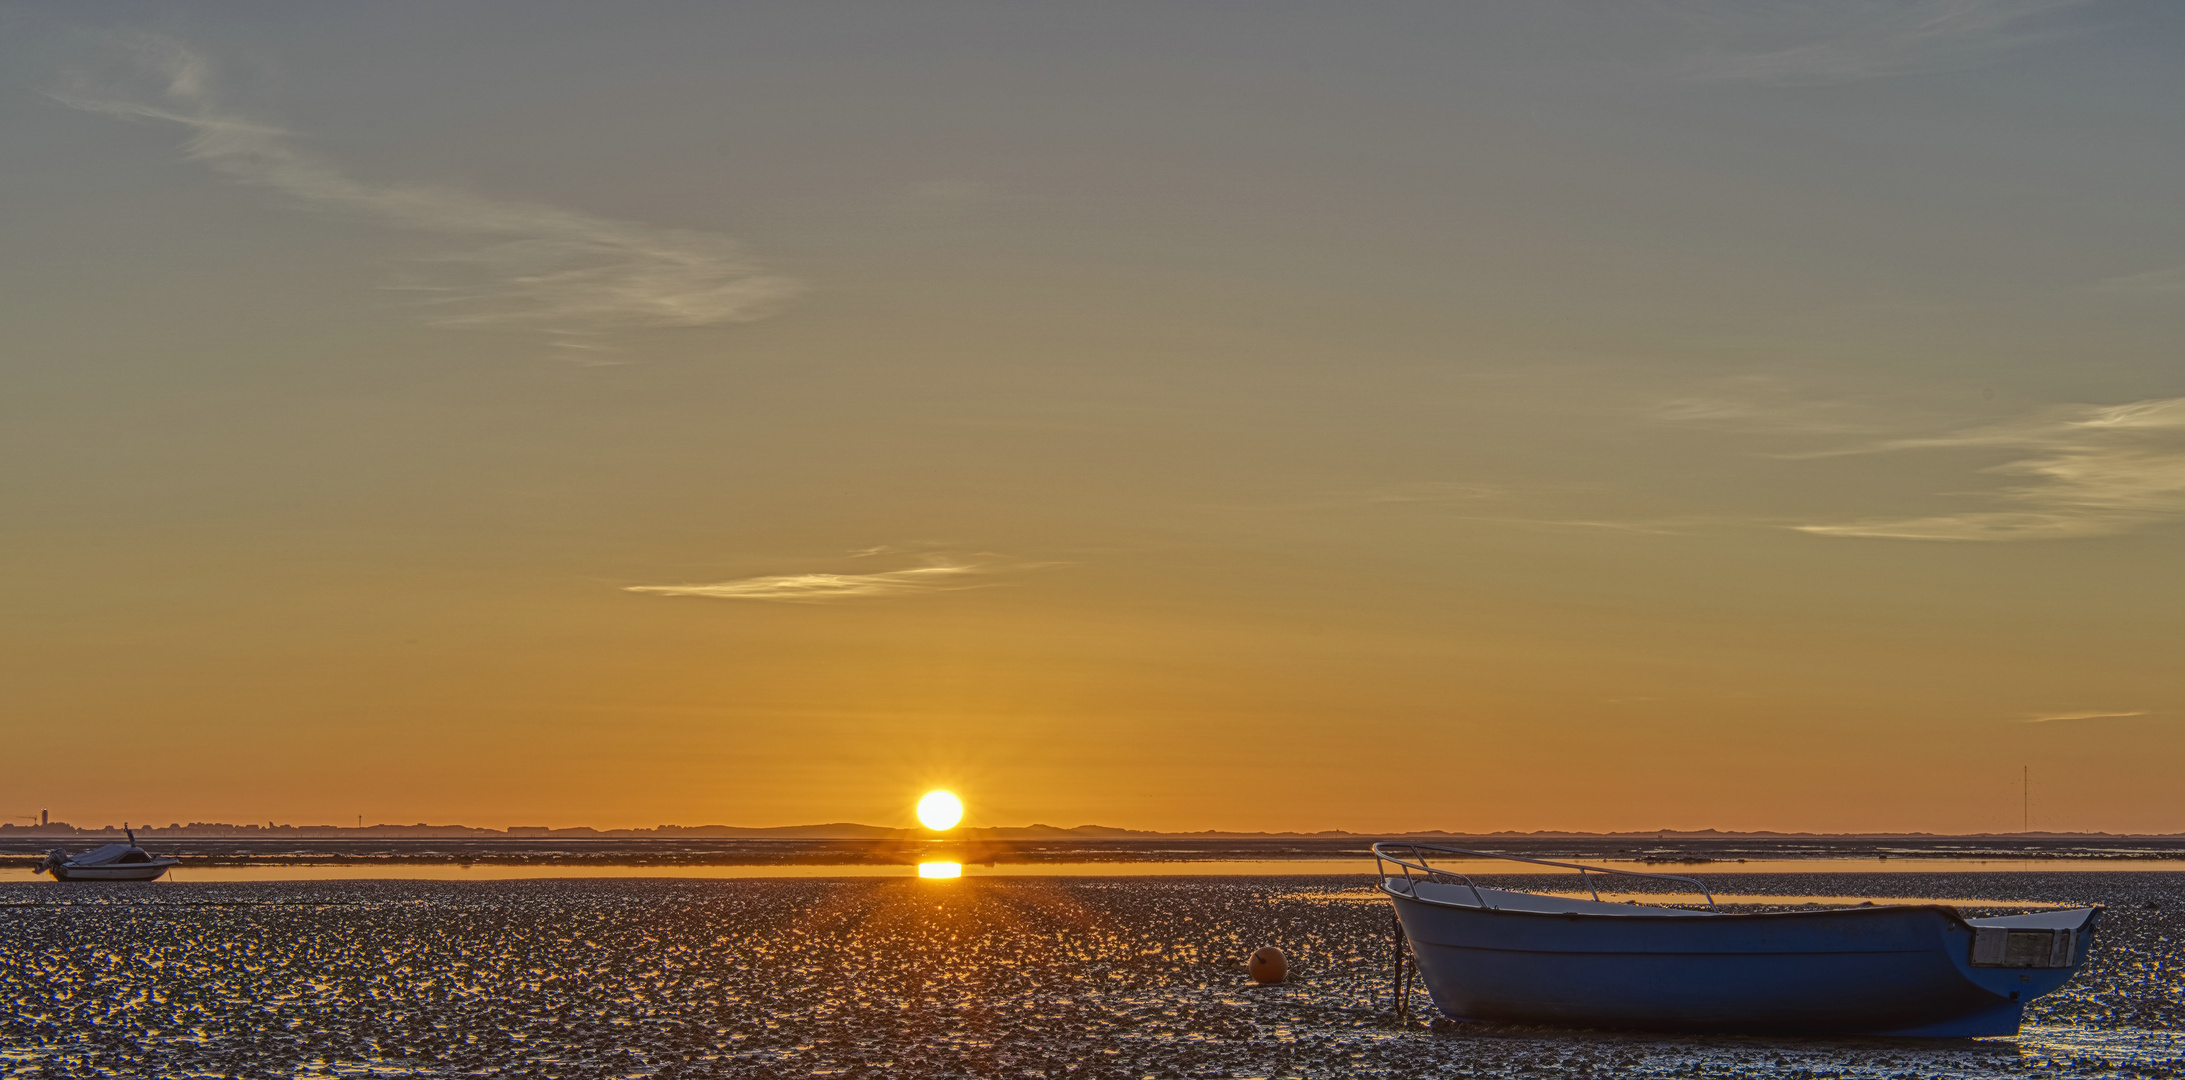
(1415, 849)
(1436, 876)
(1656, 911)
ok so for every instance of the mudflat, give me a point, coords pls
(977, 977)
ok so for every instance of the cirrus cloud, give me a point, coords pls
(521, 266)
(2092, 471)
(940, 575)
(2047, 717)
(1858, 40)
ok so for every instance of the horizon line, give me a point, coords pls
(846, 830)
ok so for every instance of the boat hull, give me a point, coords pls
(1899, 970)
(121, 872)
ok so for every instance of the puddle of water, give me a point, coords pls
(2136, 1047)
(1359, 867)
(1371, 895)
(497, 872)
(1828, 866)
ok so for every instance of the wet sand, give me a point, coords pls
(994, 977)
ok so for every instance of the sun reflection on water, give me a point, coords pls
(940, 869)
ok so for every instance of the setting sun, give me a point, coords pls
(940, 811)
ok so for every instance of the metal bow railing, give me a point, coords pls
(1415, 868)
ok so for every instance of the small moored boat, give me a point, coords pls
(1897, 969)
(114, 862)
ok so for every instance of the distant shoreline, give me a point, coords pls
(1717, 850)
(10, 832)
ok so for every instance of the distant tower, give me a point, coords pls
(43, 820)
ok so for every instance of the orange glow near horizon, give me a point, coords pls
(940, 869)
(1079, 463)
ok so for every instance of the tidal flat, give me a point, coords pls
(977, 977)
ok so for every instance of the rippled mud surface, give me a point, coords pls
(994, 977)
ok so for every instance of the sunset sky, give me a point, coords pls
(1166, 415)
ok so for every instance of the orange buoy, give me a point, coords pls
(1268, 965)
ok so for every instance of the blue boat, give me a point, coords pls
(1900, 969)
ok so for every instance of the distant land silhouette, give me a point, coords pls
(848, 843)
(844, 830)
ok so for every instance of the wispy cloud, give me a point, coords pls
(2168, 282)
(526, 266)
(1429, 492)
(940, 575)
(1766, 403)
(2095, 471)
(2046, 717)
(1665, 527)
(1818, 44)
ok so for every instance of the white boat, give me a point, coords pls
(114, 862)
